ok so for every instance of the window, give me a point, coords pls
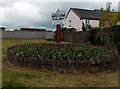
(87, 21)
(70, 23)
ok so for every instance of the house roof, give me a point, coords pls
(86, 14)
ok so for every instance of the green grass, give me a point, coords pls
(51, 40)
(14, 84)
(15, 76)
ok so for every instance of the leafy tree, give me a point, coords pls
(108, 18)
(119, 16)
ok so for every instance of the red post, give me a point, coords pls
(58, 33)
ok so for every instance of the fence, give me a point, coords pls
(105, 35)
(27, 34)
(71, 35)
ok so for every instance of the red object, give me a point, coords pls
(58, 33)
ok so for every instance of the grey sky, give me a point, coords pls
(15, 15)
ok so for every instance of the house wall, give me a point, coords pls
(93, 23)
(75, 21)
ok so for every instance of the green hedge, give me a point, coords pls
(116, 33)
(94, 39)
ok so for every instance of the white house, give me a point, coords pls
(76, 18)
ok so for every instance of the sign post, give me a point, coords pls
(58, 37)
(58, 20)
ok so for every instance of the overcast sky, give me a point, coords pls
(26, 13)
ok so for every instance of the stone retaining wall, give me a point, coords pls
(108, 62)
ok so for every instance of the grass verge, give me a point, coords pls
(15, 77)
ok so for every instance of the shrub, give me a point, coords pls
(116, 33)
(84, 28)
(53, 40)
(63, 29)
(94, 39)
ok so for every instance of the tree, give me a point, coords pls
(119, 16)
(108, 18)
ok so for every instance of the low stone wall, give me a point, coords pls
(108, 62)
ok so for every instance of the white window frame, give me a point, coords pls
(87, 21)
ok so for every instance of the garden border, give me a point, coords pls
(109, 62)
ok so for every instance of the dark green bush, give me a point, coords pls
(94, 39)
(84, 28)
(93, 32)
(63, 29)
(116, 34)
(115, 28)
(116, 37)
(51, 40)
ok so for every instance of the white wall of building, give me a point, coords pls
(94, 23)
(75, 21)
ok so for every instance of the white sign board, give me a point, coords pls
(58, 18)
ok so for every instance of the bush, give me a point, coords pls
(116, 34)
(115, 28)
(63, 29)
(84, 28)
(94, 39)
(116, 37)
(51, 40)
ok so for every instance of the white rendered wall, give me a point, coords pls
(93, 23)
(75, 21)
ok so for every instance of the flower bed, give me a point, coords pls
(62, 57)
